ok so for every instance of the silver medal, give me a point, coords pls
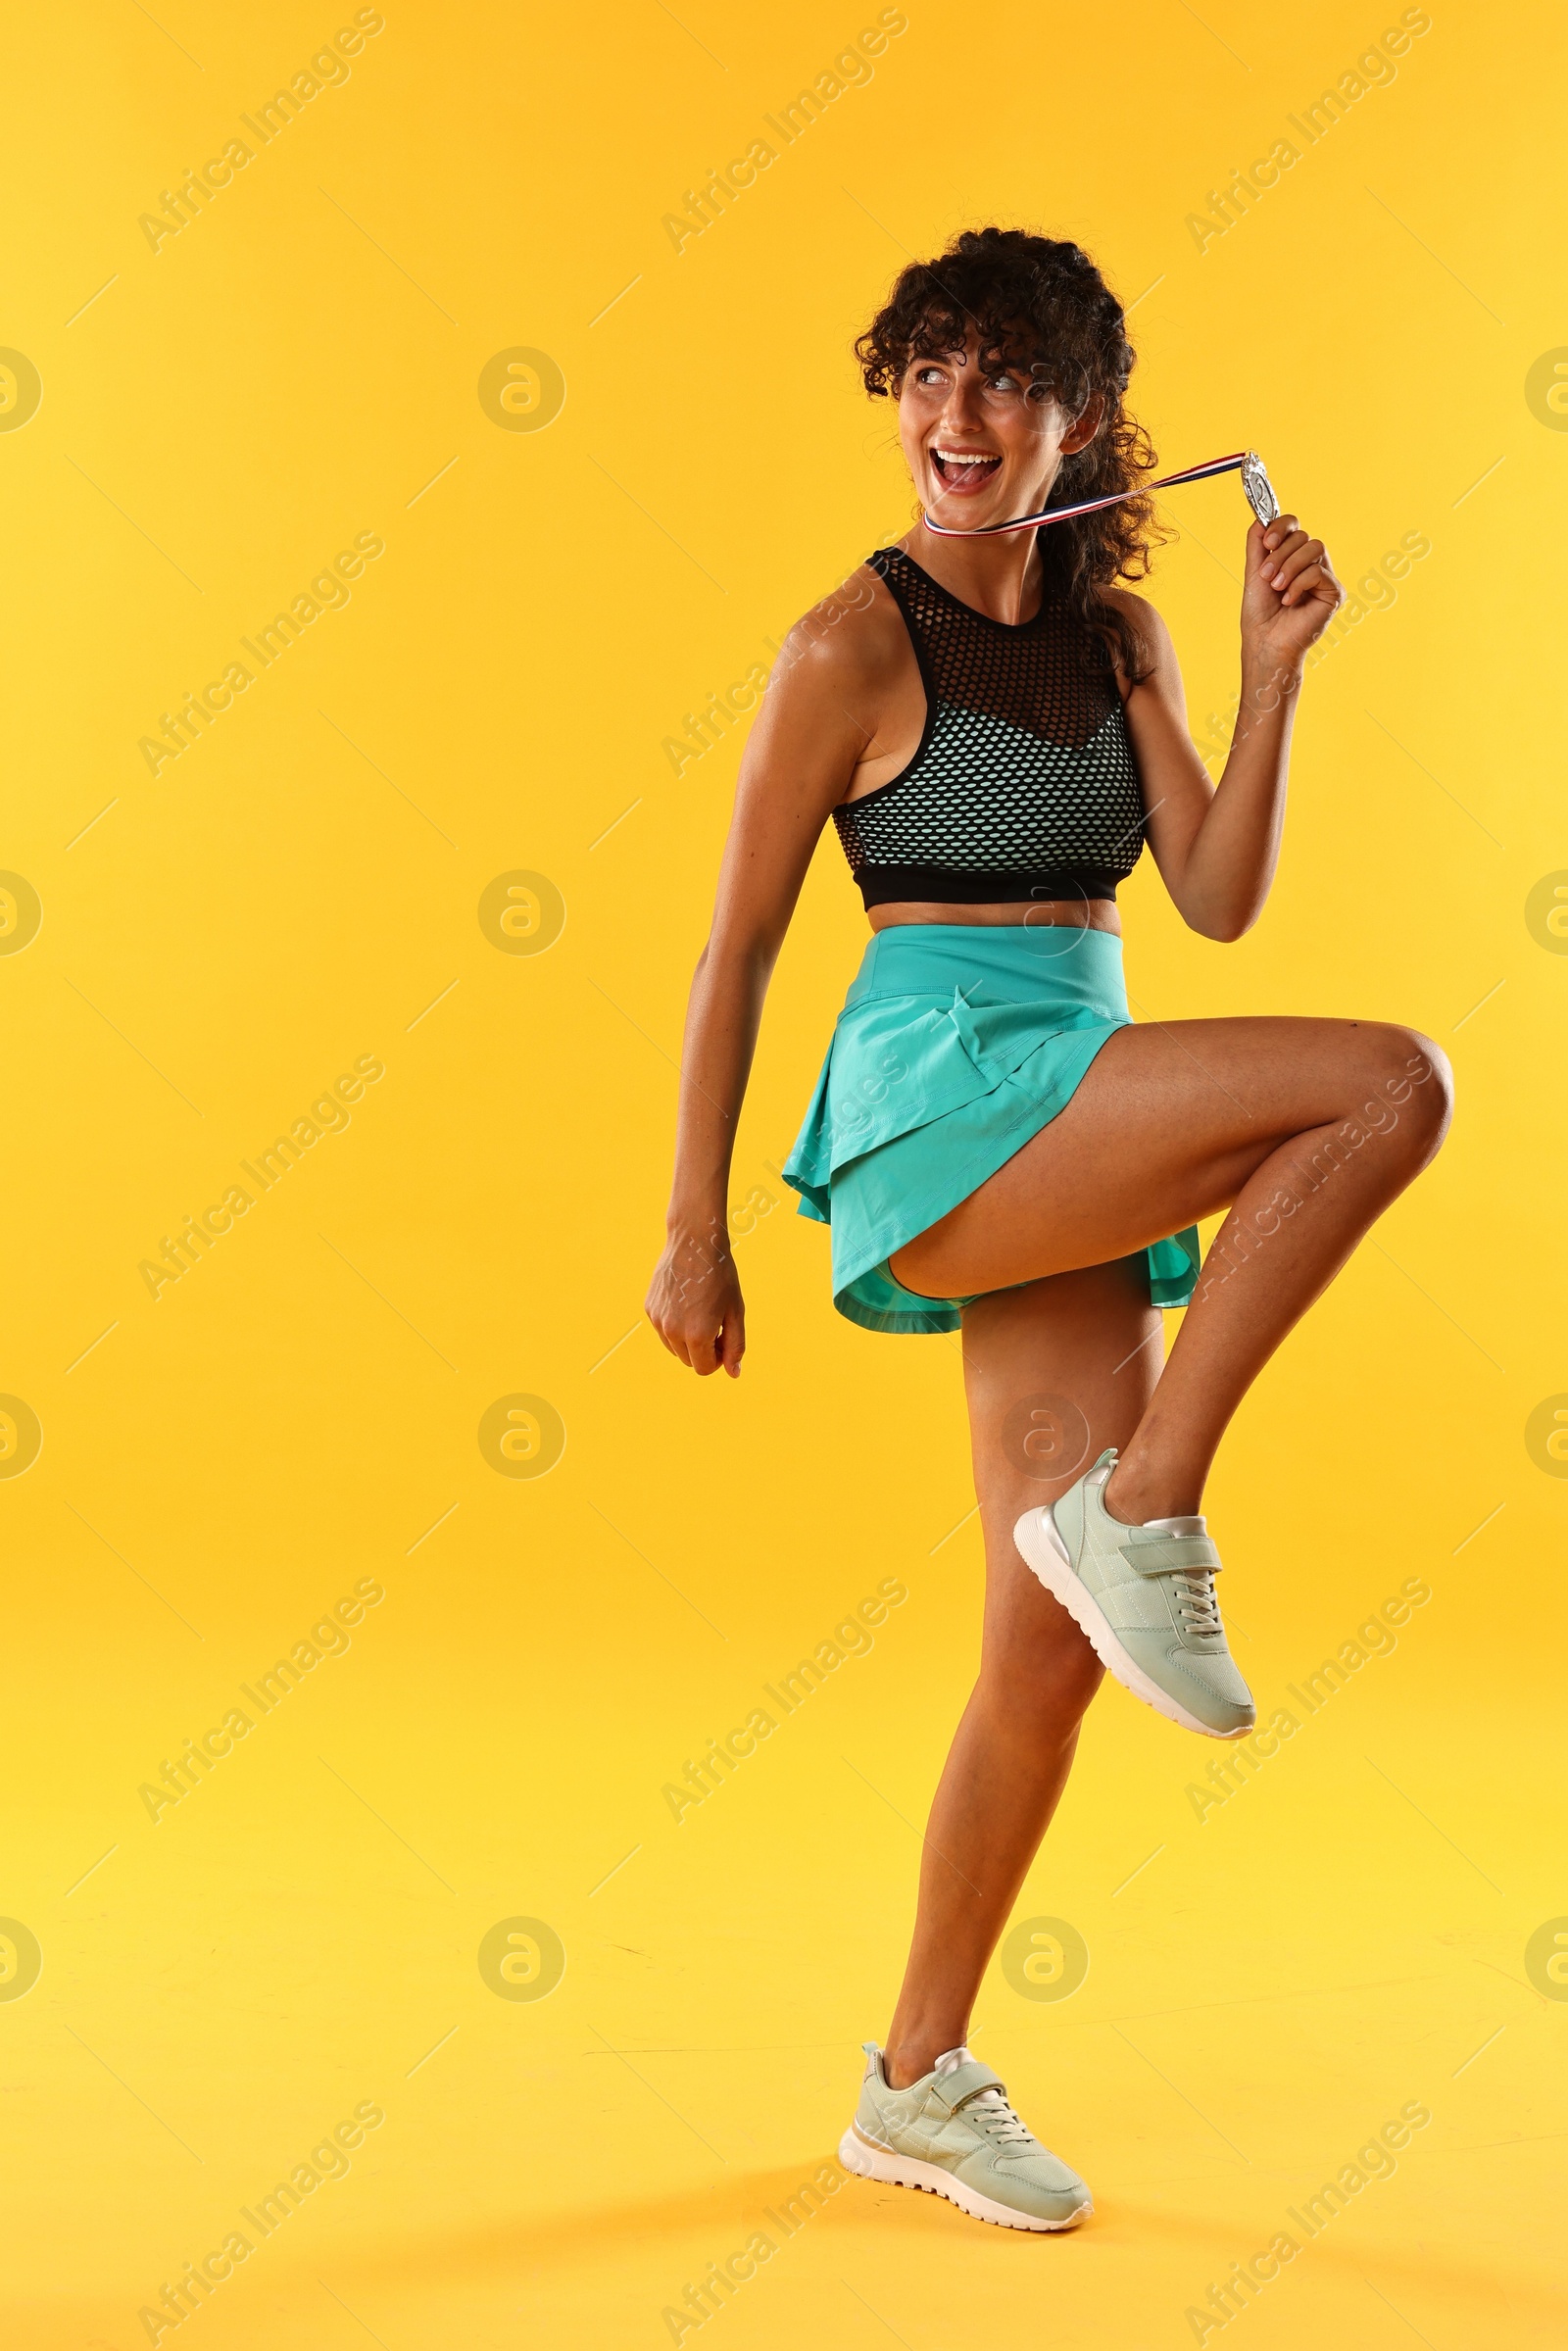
(1259, 489)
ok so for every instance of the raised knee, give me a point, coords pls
(1409, 1086)
(1425, 1068)
(1436, 1084)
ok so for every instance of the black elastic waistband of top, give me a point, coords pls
(932, 885)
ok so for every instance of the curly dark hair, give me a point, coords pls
(1040, 305)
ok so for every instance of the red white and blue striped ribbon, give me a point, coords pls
(1239, 459)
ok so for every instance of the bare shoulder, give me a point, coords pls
(852, 641)
(1145, 624)
(1156, 652)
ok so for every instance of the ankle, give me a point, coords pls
(1136, 1492)
(906, 2061)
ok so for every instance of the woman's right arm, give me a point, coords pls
(797, 765)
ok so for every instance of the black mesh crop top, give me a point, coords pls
(1023, 785)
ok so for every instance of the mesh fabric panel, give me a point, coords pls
(1024, 784)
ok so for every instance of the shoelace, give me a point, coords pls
(997, 2117)
(1196, 1604)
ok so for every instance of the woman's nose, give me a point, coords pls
(962, 407)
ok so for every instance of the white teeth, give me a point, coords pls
(955, 457)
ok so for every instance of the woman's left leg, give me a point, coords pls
(1055, 1372)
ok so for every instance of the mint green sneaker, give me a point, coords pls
(1145, 1598)
(954, 2135)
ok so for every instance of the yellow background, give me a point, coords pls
(300, 888)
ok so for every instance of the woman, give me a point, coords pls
(994, 726)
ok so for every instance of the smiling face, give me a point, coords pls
(984, 443)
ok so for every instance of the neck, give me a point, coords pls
(1001, 577)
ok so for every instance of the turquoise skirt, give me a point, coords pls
(956, 1043)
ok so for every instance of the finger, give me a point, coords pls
(657, 1326)
(670, 1337)
(1276, 533)
(1296, 560)
(1312, 583)
(1277, 570)
(1271, 557)
(734, 1342)
(704, 1354)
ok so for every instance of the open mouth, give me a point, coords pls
(964, 470)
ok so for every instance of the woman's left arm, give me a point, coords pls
(1216, 846)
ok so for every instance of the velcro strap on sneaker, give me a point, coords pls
(965, 2081)
(1157, 1554)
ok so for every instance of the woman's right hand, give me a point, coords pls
(693, 1301)
(797, 766)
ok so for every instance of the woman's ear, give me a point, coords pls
(1084, 425)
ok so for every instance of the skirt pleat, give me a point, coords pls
(956, 1043)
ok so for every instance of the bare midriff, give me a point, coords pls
(1074, 913)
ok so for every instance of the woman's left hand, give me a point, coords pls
(1289, 595)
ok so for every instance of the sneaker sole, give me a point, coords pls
(1044, 1560)
(860, 2154)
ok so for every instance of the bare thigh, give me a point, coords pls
(1166, 1127)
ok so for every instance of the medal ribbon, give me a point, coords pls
(1240, 461)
